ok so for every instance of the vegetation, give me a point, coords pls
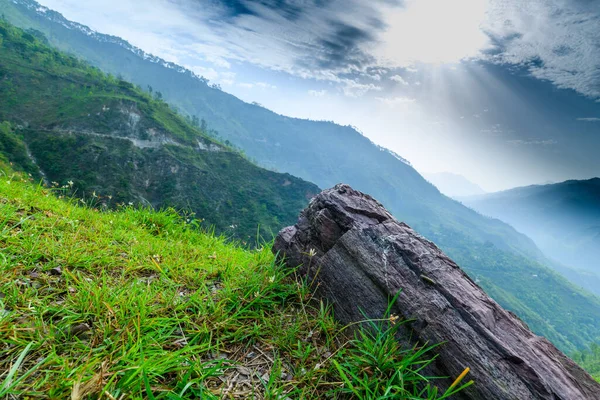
(516, 280)
(118, 145)
(589, 359)
(563, 219)
(136, 303)
(501, 259)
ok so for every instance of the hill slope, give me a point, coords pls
(563, 218)
(141, 304)
(506, 263)
(70, 122)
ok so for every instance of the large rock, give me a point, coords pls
(359, 256)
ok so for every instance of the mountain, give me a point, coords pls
(318, 151)
(562, 218)
(105, 141)
(454, 185)
(506, 264)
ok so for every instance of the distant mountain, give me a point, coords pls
(318, 151)
(506, 264)
(454, 185)
(103, 140)
(562, 218)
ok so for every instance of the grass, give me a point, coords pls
(137, 303)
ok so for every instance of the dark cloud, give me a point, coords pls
(288, 9)
(559, 40)
(324, 36)
(235, 7)
(342, 47)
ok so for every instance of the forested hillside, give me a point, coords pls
(109, 143)
(563, 218)
(590, 360)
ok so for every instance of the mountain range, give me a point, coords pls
(454, 185)
(562, 218)
(109, 136)
(66, 122)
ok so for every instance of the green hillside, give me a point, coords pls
(68, 122)
(505, 262)
(139, 304)
(563, 219)
(589, 359)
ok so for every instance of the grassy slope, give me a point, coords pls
(138, 304)
(79, 125)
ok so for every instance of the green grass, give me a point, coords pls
(135, 303)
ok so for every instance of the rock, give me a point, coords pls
(359, 256)
(56, 271)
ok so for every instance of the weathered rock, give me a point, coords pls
(359, 257)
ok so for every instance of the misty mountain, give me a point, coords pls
(563, 218)
(318, 151)
(507, 264)
(454, 185)
(109, 144)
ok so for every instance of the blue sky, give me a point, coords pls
(504, 92)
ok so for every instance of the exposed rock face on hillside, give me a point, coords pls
(360, 256)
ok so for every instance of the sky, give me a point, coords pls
(503, 92)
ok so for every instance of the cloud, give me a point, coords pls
(341, 40)
(589, 119)
(264, 85)
(260, 85)
(317, 93)
(399, 79)
(352, 88)
(396, 101)
(556, 39)
(521, 142)
(319, 39)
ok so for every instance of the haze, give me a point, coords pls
(502, 92)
